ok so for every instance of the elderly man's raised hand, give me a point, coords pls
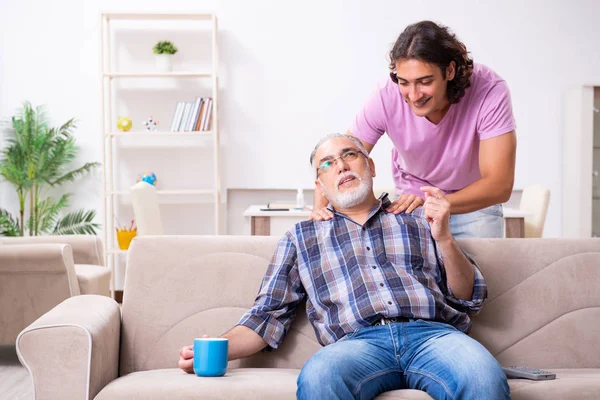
(436, 210)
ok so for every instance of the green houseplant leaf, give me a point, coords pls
(77, 223)
(9, 226)
(164, 47)
(36, 159)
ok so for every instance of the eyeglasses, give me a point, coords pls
(346, 156)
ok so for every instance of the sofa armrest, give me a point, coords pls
(72, 351)
(87, 249)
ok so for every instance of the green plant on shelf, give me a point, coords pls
(164, 47)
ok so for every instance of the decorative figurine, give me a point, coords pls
(151, 124)
(124, 124)
(148, 177)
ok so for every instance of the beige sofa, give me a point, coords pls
(37, 273)
(543, 311)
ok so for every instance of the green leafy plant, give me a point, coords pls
(164, 47)
(36, 160)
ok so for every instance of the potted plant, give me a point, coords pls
(164, 50)
(37, 160)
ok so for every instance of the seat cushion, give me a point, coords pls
(93, 279)
(280, 383)
(240, 383)
(581, 384)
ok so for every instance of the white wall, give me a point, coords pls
(293, 71)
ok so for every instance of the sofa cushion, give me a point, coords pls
(93, 279)
(238, 383)
(580, 384)
(280, 383)
(242, 383)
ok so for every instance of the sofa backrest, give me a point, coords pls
(543, 306)
(542, 309)
(87, 249)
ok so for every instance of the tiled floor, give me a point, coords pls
(15, 383)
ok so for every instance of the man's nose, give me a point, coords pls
(413, 94)
(341, 165)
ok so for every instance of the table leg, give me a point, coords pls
(515, 227)
(260, 226)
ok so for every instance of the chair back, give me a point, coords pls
(534, 200)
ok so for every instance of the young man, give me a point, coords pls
(387, 294)
(452, 127)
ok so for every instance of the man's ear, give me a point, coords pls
(451, 71)
(320, 186)
(372, 166)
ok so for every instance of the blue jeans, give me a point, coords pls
(484, 223)
(426, 355)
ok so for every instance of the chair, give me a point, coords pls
(37, 273)
(145, 209)
(534, 200)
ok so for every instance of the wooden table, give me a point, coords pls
(260, 221)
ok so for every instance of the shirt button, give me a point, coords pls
(381, 284)
(368, 248)
(390, 303)
(374, 267)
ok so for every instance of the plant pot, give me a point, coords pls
(163, 62)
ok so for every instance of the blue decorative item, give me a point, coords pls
(148, 177)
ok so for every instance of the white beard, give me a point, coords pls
(352, 197)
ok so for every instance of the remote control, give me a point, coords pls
(528, 373)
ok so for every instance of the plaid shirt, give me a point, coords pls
(353, 275)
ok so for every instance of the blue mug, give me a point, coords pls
(210, 356)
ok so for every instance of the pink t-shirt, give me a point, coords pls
(445, 155)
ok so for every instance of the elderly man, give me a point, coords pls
(389, 295)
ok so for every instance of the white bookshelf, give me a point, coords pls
(164, 193)
(167, 141)
(162, 134)
(183, 74)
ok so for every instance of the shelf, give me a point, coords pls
(116, 251)
(178, 74)
(171, 197)
(164, 140)
(155, 17)
(161, 134)
(184, 192)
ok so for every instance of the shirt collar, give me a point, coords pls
(384, 203)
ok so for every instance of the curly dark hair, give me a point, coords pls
(434, 44)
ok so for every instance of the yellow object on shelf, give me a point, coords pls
(125, 237)
(124, 124)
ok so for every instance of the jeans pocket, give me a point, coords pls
(350, 335)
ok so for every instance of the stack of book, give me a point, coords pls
(193, 115)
